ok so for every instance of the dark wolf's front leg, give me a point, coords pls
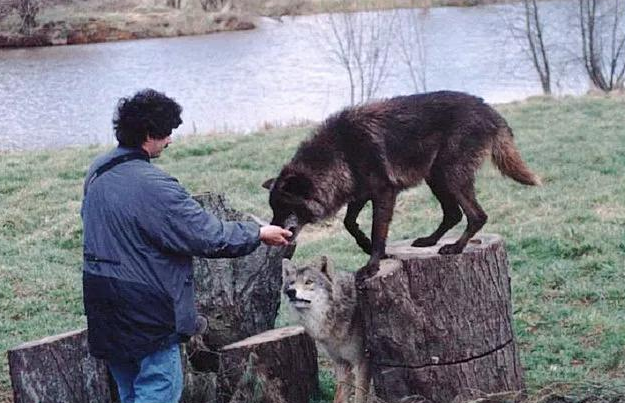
(383, 206)
(353, 209)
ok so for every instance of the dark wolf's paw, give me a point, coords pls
(451, 249)
(424, 241)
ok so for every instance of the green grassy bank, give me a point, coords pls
(565, 240)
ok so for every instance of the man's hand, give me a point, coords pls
(274, 235)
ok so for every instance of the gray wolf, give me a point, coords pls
(324, 301)
(374, 151)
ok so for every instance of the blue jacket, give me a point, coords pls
(141, 229)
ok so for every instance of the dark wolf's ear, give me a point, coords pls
(296, 185)
(327, 267)
(268, 184)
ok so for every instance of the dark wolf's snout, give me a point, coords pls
(289, 222)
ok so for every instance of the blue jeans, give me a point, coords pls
(156, 378)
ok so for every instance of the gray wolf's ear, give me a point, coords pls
(327, 267)
(287, 266)
(268, 184)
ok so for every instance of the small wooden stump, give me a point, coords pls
(440, 327)
(284, 360)
(58, 369)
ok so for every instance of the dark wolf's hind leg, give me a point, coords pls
(353, 209)
(451, 212)
(476, 217)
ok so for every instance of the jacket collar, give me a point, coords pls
(127, 150)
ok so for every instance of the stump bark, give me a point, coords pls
(58, 369)
(439, 327)
(281, 363)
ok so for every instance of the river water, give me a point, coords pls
(279, 73)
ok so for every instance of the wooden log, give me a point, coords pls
(283, 361)
(440, 326)
(58, 369)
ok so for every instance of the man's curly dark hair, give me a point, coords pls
(148, 112)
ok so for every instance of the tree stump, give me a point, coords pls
(239, 296)
(58, 369)
(282, 363)
(439, 327)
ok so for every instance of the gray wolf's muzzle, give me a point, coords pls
(292, 294)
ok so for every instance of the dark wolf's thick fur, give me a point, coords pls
(374, 151)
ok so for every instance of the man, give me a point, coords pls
(141, 229)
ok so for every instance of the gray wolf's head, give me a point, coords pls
(308, 286)
(291, 197)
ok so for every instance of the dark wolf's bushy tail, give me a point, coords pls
(507, 158)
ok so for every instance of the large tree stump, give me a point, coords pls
(58, 369)
(281, 362)
(440, 327)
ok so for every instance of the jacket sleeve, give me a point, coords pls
(178, 224)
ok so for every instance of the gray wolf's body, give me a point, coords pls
(324, 302)
(374, 151)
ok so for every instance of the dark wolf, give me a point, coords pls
(374, 151)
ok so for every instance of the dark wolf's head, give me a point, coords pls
(308, 286)
(291, 197)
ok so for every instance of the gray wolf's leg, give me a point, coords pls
(476, 217)
(344, 382)
(451, 212)
(363, 381)
(353, 209)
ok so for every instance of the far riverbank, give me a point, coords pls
(71, 22)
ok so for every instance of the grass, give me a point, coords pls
(565, 240)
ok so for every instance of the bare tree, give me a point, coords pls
(208, 5)
(527, 29)
(412, 49)
(603, 42)
(174, 3)
(27, 11)
(534, 32)
(360, 43)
